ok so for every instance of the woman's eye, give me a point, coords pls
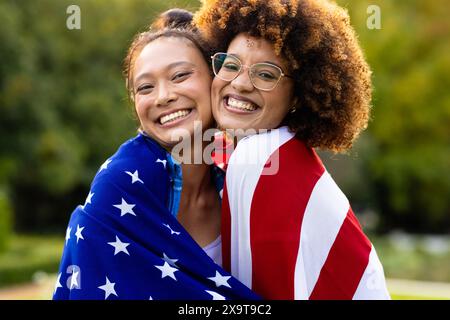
(146, 88)
(181, 75)
(266, 75)
(231, 66)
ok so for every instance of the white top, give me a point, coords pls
(214, 250)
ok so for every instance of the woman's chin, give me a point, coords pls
(233, 124)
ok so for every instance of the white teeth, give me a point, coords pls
(174, 116)
(238, 104)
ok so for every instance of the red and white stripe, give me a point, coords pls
(288, 231)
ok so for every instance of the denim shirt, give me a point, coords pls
(176, 179)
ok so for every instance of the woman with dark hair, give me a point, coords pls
(294, 68)
(150, 227)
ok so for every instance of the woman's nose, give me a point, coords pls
(165, 95)
(243, 82)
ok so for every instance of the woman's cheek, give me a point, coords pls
(139, 99)
(195, 90)
(142, 103)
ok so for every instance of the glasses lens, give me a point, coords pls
(225, 66)
(265, 76)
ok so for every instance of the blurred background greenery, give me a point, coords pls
(64, 110)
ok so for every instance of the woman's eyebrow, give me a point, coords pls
(168, 67)
(176, 64)
(266, 61)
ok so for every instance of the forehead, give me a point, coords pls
(165, 51)
(255, 49)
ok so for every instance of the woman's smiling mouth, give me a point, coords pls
(174, 117)
(239, 104)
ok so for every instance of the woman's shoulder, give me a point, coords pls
(276, 137)
(138, 160)
(135, 174)
(136, 153)
(255, 149)
(269, 149)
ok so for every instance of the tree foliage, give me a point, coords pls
(63, 107)
(409, 153)
(63, 100)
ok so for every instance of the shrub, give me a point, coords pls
(5, 221)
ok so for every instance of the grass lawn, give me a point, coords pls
(412, 257)
(410, 297)
(28, 257)
(28, 270)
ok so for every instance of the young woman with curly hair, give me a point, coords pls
(294, 67)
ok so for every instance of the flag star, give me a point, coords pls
(68, 231)
(171, 231)
(167, 271)
(150, 298)
(220, 280)
(74, 280)
(89, 199)
(125, 208)
(58, 283)
(162, 161)
(134, 177)
(170, 261)
(78, 233)
(105, 165)
(108, 287)
(119, 246)
(215, 295)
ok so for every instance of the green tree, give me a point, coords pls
(63, 101)
(5, 221)
(63, 107)
(407, 149)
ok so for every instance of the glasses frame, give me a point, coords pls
(250, 75)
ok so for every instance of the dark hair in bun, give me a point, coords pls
(173, 19)
(171, 23)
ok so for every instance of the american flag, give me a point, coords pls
(123, 243)
(288, 231)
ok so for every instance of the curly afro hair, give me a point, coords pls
(333, 80)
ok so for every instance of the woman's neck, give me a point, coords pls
(199, 210)
(196, 180)
(195, 170)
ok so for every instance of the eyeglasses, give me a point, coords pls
(264, 76)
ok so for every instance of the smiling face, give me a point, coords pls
(172, 84)
(238, 104)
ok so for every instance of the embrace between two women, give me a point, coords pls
(156, 226)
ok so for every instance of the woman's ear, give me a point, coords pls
(294, 105)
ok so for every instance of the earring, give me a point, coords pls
(293, 109)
